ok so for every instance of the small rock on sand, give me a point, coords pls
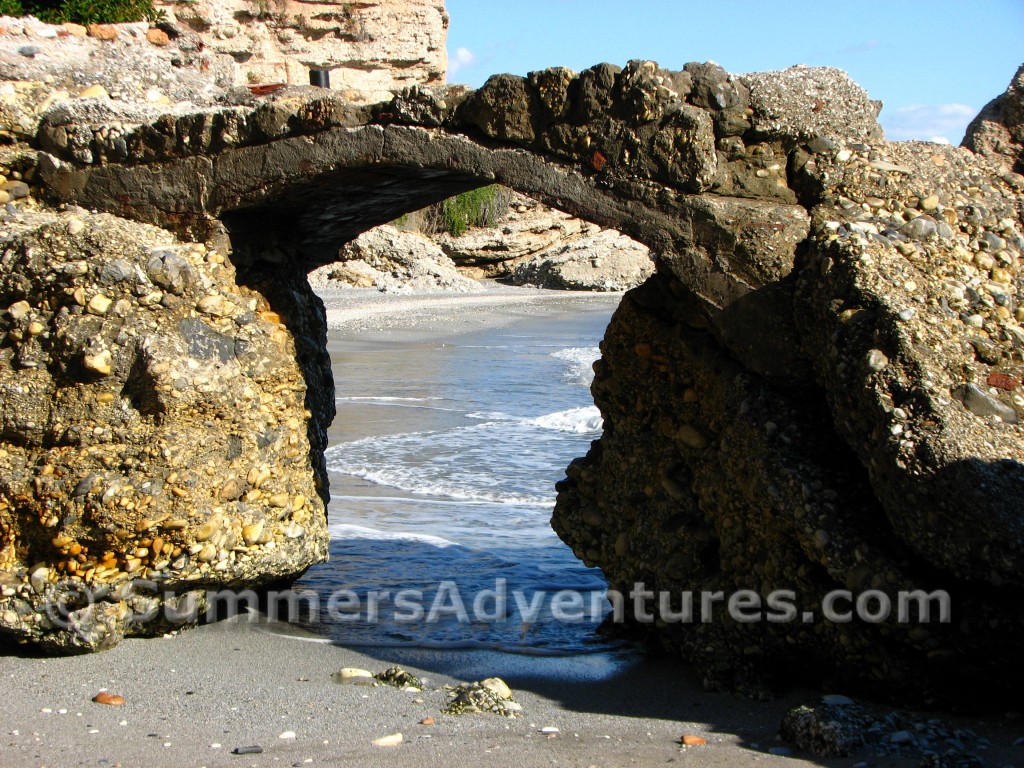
(110, 699)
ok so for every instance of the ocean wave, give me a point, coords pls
(577, 421)
(580, 364)
(467, 488)
(491, 416)
(351, 531)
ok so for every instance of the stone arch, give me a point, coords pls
(761, 388)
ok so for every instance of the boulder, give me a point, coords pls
(811, 102)
(904, 310)
(122, 345)
(405, 261)
(606, 261)
(998, 130)
(886, 463)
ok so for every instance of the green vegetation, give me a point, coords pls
(481, 207)
(82, 11)
(477, 208)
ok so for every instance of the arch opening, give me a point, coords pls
(450, 436)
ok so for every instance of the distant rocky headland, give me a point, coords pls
(819, 389)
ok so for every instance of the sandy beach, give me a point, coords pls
(368, 311)
(204, 696)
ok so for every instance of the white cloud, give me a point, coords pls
(462, 58)
(942, 123)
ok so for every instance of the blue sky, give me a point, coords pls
(933, 64)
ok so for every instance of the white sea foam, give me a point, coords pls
(580, 362)
(350, 531)
(577, 421)
(490, 416)
(466, 488)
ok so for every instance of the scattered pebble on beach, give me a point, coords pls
(399, 678)
(110, 699)
(391, 740)
(354, 676)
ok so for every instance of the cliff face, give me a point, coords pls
(370, 48)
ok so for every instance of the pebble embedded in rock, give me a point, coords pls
(980, 403)
(15, 190)
(157, 36)
(96, 91)
(99, 304)
(103, 31)
(99, 363)
(877, 361)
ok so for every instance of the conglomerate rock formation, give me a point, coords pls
(818, 390)
(163, 429)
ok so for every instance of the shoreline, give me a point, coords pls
(194, 697)
(373, 314)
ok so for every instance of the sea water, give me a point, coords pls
(443, 459)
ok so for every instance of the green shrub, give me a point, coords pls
(483, 207)
(477, 208)
(82, 11)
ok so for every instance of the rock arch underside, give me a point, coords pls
(818, 390)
